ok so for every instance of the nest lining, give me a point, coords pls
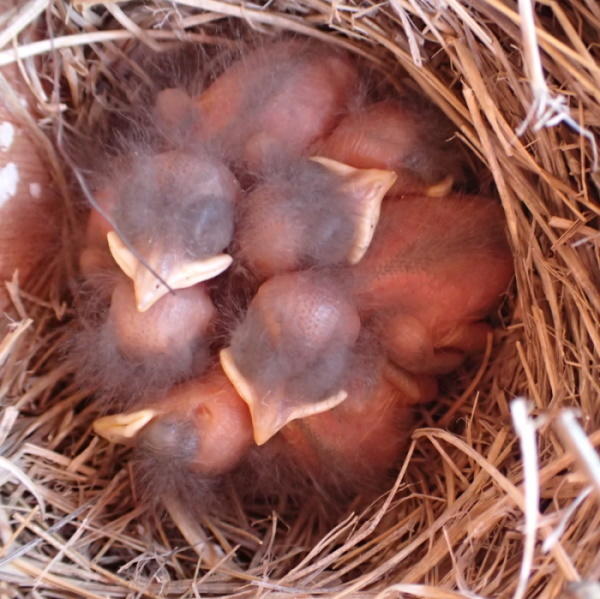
(457, 522)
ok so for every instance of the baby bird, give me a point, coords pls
(176, 210)
(404, 137)
(289, 356)
(319, 213)
(124, 353)
(434, 271)
(353, 447)
(346, 450)
(276, 100)
(201, 427)
(29, 202)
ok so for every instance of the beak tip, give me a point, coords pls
(146, 298)
(142, 306)
(266, 426)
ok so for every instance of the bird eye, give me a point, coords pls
(168, 438)
(210, 225)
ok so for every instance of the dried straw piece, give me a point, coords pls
(576, 440)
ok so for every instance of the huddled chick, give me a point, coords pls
(366, 276)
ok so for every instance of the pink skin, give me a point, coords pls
(95, 255)
(414, 388)
(176, 322)
(387, 135)
(272, 250)
(279, 97)
(175, 113)
(435, 269)
(202, 424)
(29, 206)
(360, 439)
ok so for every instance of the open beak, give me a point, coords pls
(148, 289)
(366, 189)
(123, 428)
(270, 414)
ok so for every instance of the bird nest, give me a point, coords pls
(497, 496)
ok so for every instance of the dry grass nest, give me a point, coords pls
(496, 498)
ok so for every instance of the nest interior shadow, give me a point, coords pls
(453, 520)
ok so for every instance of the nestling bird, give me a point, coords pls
(124, 353)
(434, 271)
(406, 137)
(354, 446)
(201, 427)
(349, 449)
(319, 213)
(29, 203)
(176, 209)
(349, 306)
(290, 354)
(276, 100)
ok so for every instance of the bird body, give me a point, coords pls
(356, 444)
(435, 269)
(276, 100)
(406, 137)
